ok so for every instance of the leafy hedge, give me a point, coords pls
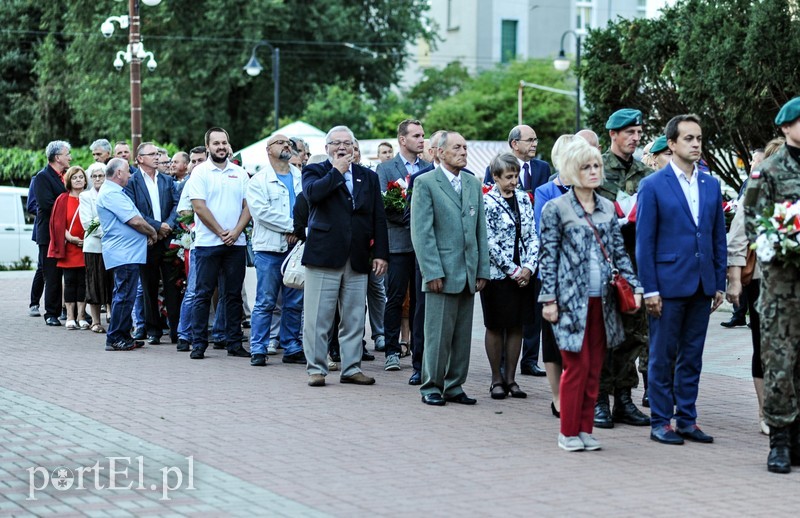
(17, 165)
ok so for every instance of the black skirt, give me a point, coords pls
(505, 304)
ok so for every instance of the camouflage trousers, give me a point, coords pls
(619, 368)
(780, 344)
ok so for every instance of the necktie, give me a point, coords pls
(348, 180)
(526, 177)
(456, 183)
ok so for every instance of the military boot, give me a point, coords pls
(794, 443)
(645, 396)
(625, 410)
(779, 456)
(602, 412)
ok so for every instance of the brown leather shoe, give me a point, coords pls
(359, 378)
(316, 380)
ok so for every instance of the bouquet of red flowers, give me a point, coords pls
(395, 197)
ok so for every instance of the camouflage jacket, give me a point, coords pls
(777, 180)
(617, 179)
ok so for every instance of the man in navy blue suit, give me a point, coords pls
(533, 173)
(155, 196)
(346, 238)
(681, 255)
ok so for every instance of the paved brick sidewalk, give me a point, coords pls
(264, 443)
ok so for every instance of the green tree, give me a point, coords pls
(485, 107)
(733, 62)
(57, 63)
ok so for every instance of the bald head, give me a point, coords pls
(590, 137)
(279, 149)
(523, 142)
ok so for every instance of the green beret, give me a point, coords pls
(789, 112)
(659, 145)
(623, 118)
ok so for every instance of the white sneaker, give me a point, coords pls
(570, 443)
(589, 442)
(33, 311)
(272, 348)
(332, 365)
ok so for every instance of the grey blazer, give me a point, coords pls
(563, 261)
(399, 233)
(449, 231)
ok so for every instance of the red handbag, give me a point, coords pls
(626, 301)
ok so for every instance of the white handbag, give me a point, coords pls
(292, 269)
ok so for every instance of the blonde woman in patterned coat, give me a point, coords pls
(508, 300)
(577, 298)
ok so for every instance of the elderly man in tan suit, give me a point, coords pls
(448, 231)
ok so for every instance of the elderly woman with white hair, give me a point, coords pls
(581, 247)
(99, 281)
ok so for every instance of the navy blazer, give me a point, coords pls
(540, 175)
(167, 197)
(675, 257)
(342, 227)
(47, 187)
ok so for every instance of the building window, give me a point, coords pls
(583, 15)
(641, 7)
(508, 41)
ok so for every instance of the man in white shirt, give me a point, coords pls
(217, 190)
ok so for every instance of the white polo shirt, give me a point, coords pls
(223, 190)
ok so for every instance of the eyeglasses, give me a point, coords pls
(282, 142)
(337, 143)
(64, 154)
(154, 153)
(95, 176)
(529, 140)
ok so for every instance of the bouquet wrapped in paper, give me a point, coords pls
(93, 225)
(395, 197)
(778, 234)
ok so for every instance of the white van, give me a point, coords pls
(16, 226)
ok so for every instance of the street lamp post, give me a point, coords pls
(253, 68)
(561, 63)
(134, 55)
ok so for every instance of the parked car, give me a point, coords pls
(16, 226)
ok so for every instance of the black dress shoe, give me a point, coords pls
(183, 345)
(532, 370)
(153, 340)
(695, 434)
(63, 315)
(733, 322)
(415, 379)
(298, 358)
(665, 435)
(140, 334)
(239, 352)
(197, 354)
(433, 399)
(366, 356)
(173, 337)
(258, 360)
(602, 413)
(461, 399)
(52, 321)
(220, 345)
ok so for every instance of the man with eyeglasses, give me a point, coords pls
(271, 196)
(154, 195)
(346, 239)
(164, 162)
(48, 186)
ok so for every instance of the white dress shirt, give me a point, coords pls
(690, 188)
(155, 199)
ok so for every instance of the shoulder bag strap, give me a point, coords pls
(614, 271)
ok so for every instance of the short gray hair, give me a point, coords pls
(502, 163)
(183, 154)
(514, 134)
(443, 134)
(337, 129)
(56, 147)
(100, 144)
(113, 165)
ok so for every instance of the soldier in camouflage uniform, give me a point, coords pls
(619, 376)
(777, 180)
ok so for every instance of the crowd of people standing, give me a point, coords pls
(546, 248)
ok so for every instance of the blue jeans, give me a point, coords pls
(138, 306)
(185, 325)
(218, 328)
(270, 285)
(212, 263)
(126, 278)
